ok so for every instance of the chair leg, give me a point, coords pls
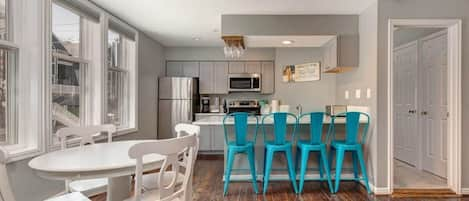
(291, 169)
(331, 156)
(355, 165)
(338, 168)
(231, 155)
(297, 157)
(303, 166)
(363, 166)
(267, 169)
(320, 165)
(252, 165)
(326, 168)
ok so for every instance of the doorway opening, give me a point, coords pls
(424, 102)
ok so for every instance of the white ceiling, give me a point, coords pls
(276, 41)
(175, 23)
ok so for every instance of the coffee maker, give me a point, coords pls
(205, 104)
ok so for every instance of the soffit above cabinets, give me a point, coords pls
(296, 41)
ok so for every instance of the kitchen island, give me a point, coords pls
(212, 140)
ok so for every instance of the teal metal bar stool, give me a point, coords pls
(352, 143)
(314, 144)
(279, 144)
(240, 145)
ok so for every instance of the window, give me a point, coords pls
(120, 55)
(68, 70)
(7, 102)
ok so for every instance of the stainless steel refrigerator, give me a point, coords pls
(178, 101)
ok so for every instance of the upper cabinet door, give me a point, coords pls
(220, 77)
(253, 67)
(268, 77)
(237, 67)
(206, 78)
(190, 69)
(174, 69)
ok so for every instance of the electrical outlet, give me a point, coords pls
(347, 95)
(368, 93)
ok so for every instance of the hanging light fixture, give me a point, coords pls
(234, 46)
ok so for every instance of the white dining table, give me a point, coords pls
(103, 160)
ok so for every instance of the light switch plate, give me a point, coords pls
(368, 93)
(358, 93)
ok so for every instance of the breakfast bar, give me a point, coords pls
(213, 125)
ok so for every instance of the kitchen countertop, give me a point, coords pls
(211, 114)
(218, 120)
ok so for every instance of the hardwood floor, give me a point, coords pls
(208, 186)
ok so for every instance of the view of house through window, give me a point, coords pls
(4, 102)
(67, 69)
(117, 86)
(3, 20)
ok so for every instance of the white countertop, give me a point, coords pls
(218, 120)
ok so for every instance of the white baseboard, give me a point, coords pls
(465, 191)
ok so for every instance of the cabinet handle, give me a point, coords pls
(424, 113)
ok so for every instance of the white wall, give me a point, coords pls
(363, 77)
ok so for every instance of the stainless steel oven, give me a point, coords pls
(244, 82)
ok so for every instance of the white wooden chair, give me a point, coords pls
(6, 194)
(150, 181)
(173, 149)
(88, 187)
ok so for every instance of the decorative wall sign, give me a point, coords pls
(302, 72)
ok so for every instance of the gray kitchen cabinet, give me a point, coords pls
(340, 54)
(174, 69)
(237, 67)
(218, 138)
(268, 77)
(253, 67)
(190, 69)
(205, 138)
(220, 78)
(206, 78)
(213, 78)
(182, 68)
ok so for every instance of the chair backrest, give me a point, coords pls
(315, 126)
(183, 129)
(280, 126)
(6, 194)
(85, 133)
(240, 127)
(172, 149)
(352, 127)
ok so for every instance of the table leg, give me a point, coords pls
(118, 188)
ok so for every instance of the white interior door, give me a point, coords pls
(434, 105)
(405, 103)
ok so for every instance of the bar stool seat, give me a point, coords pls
(279, 144)
(240, 145)
(314, 144)
(352, 144)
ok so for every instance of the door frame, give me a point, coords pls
(454, 28)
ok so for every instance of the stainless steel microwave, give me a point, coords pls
(245, 82)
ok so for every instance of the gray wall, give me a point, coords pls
(313, 96)
(29, 187)
(362, 78)
(418, 9)
(289, 24)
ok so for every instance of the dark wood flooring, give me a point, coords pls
(208, 186)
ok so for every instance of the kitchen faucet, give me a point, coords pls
(299, 109)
